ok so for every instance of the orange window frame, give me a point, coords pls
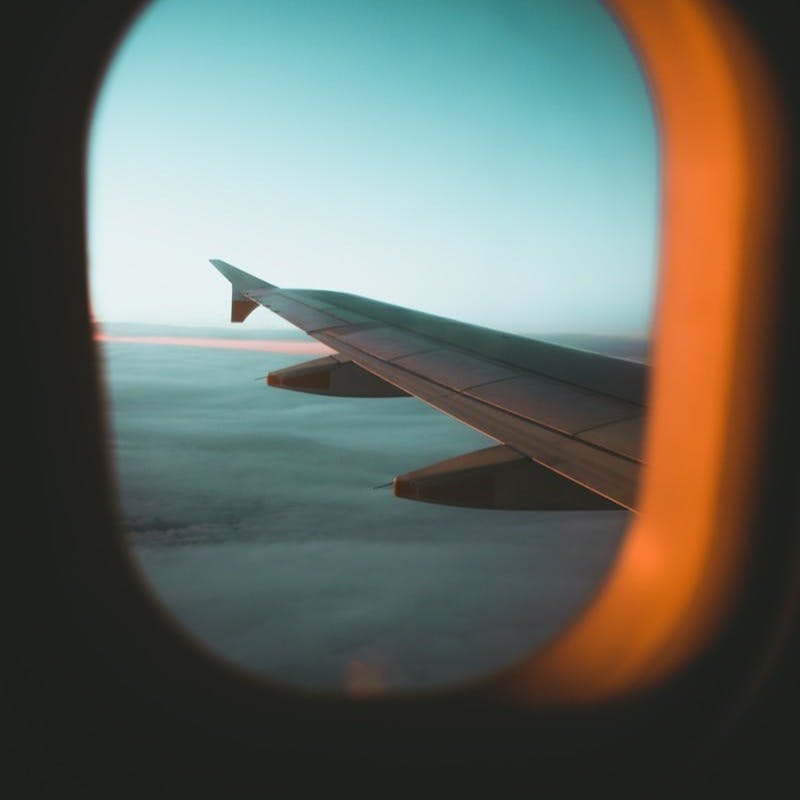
(676, 576)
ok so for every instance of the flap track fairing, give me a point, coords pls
(498, 478)
(329, 376)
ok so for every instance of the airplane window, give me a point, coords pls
(493, 163)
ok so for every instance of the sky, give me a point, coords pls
(494, 161)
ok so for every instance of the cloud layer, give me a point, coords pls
(252, 514)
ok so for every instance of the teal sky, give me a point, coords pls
(486, 160)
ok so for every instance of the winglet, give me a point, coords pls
(241, 283)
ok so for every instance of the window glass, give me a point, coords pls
(492, 161)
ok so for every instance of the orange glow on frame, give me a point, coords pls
(677, 571)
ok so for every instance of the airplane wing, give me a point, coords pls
(568, 421)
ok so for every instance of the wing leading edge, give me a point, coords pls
(568, 421)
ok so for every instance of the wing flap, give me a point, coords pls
(553, 403)
(623, 436)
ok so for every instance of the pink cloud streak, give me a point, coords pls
(259, 345)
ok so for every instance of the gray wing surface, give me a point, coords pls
(568, 421)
